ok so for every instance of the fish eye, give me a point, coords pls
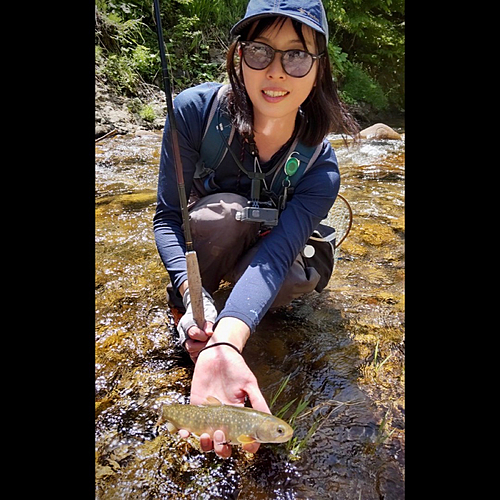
(280, 430)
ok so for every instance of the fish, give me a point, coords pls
(241, 425)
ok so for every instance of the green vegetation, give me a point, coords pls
(298, 443)
(366, 45)
(359, 86)
(368, 37)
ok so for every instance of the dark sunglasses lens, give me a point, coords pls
(258, 56)
(297, 63)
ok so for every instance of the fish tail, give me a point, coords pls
(161, 420)
(170, 426)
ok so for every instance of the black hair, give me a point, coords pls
(322, 111)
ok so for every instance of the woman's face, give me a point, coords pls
(274, 93)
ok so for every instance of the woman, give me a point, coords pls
(281, 94)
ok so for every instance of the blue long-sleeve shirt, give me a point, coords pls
(313, 197)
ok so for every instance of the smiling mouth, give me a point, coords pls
(275, 93)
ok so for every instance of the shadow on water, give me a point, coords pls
(343, 350)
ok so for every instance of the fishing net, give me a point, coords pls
(339, 218)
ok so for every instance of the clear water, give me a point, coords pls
(343, 349)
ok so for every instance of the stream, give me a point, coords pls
(342, 350)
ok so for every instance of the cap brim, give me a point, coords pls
(239, 26)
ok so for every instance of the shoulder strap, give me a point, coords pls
(298, 161)
(213, 148)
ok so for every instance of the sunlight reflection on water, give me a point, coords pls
(325, 342)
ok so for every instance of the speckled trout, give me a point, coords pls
(240, 425)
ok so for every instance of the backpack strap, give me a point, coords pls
(298, 161)
(213, 147)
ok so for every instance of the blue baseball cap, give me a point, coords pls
(310, 12)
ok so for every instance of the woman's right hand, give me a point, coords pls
(191, 337)
(198, 339)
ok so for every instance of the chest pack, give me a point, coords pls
(216, 142)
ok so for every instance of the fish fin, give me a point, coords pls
(212, 401)
(243, 439)
(171, 427)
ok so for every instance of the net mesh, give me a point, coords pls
(340, 218)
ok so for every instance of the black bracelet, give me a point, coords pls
(220, 343)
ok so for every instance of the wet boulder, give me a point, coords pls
(379, 131)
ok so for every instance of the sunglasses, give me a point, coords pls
(296, 63)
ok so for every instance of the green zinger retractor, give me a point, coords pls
(291, 166)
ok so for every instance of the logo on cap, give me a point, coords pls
(305, 12)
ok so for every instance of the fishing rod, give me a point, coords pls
(193, 270)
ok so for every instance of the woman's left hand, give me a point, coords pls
(223, 373)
